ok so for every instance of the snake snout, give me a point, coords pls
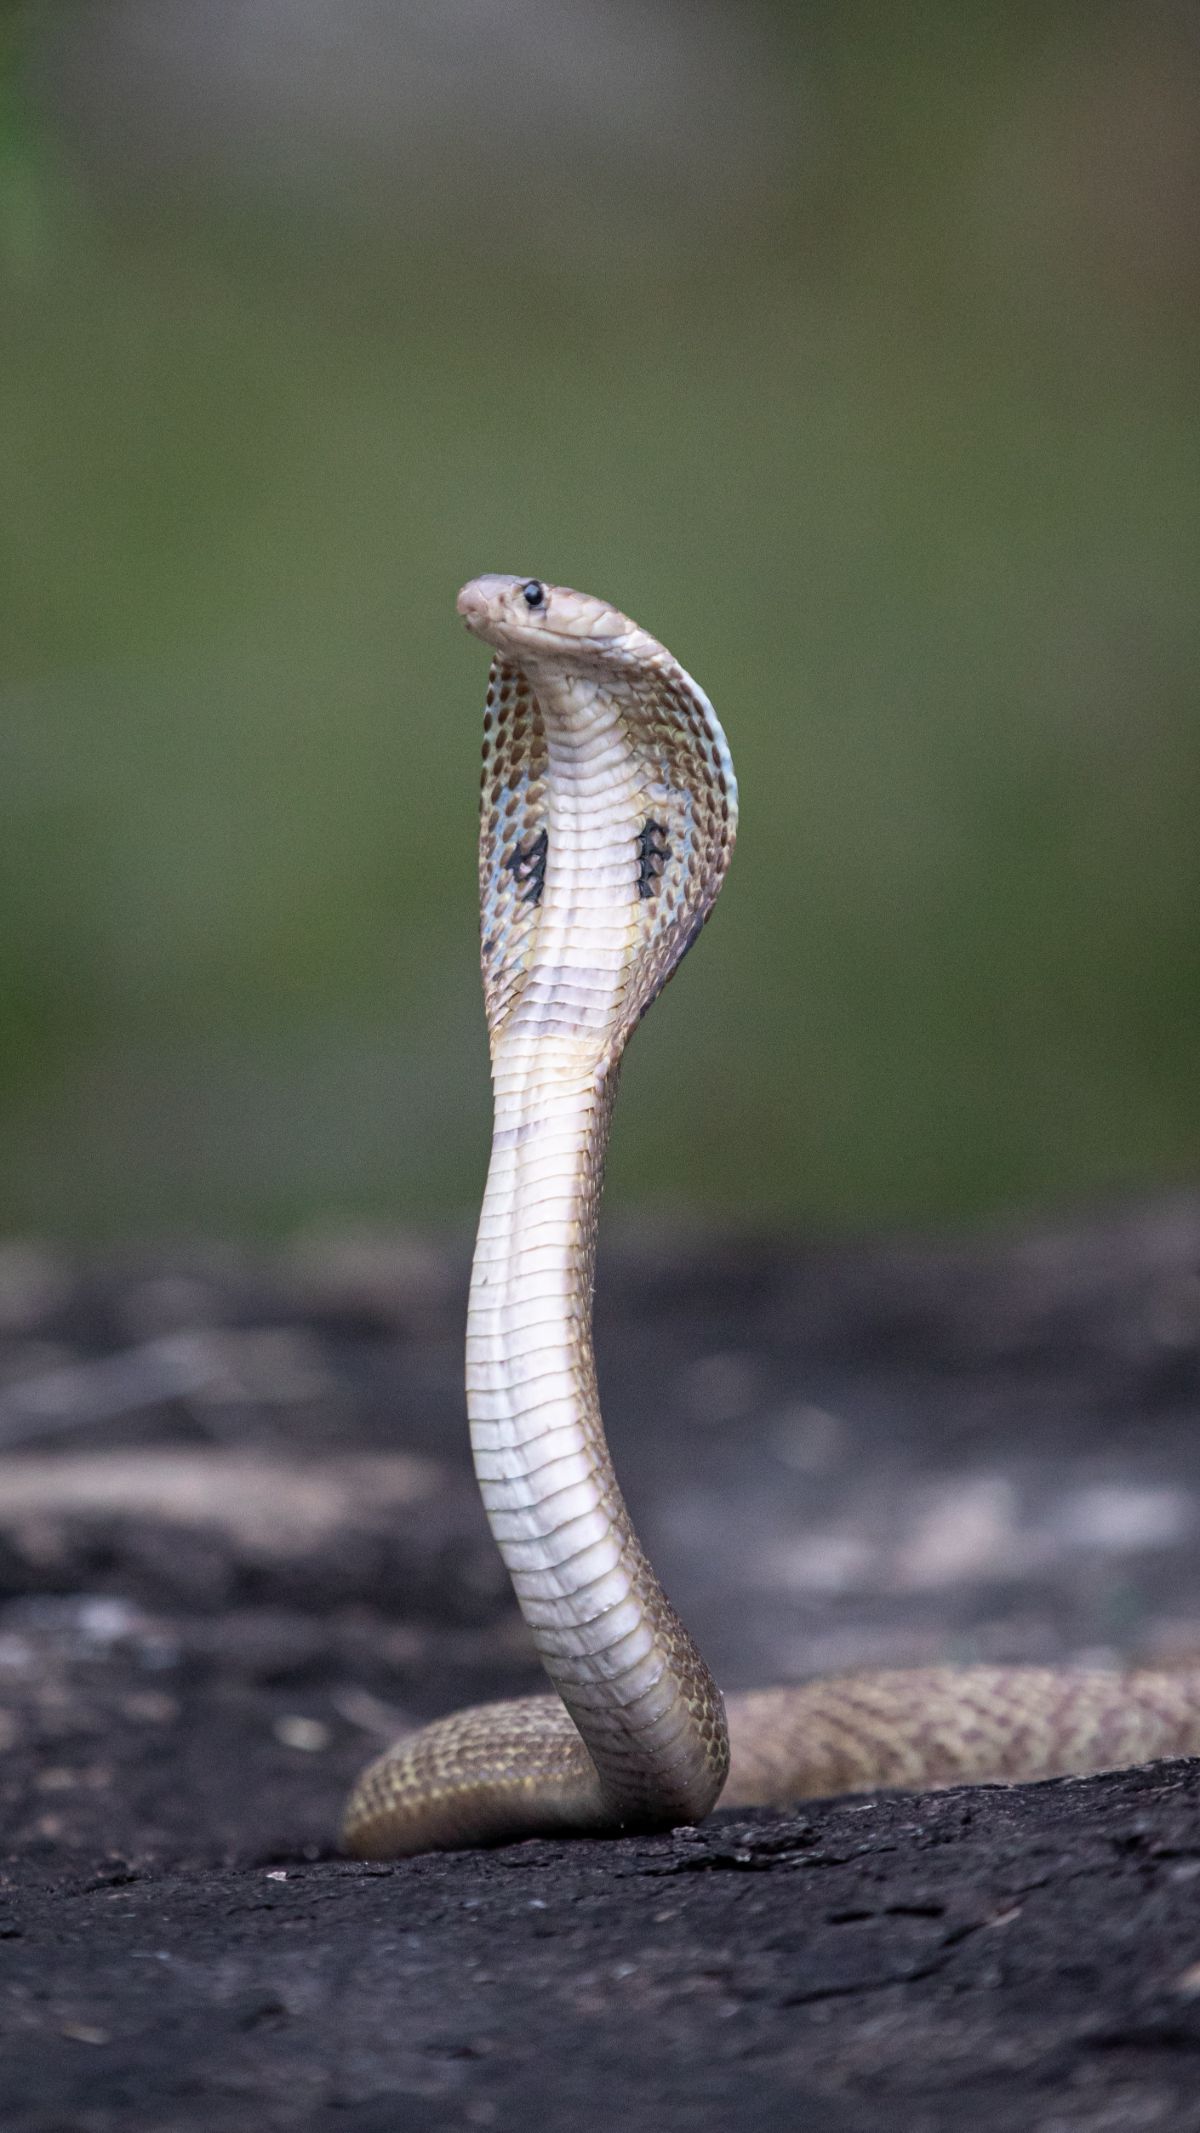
(484, 599)
(473, 601)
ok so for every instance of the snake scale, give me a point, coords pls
(609, 811)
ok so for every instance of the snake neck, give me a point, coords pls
(637, 1689)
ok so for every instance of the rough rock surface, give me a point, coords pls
(239, 1547)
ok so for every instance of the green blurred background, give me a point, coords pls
(851, 348)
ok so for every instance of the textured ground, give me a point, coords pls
(239, 1547)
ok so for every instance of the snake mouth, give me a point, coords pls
(535, 650)
(559, 645)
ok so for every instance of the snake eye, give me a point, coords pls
(534, 592)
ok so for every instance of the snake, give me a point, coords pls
(608, 817)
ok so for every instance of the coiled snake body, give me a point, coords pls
(609, 810)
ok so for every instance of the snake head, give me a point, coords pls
(537, 625)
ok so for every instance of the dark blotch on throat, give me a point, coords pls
(653, 854)
(527, 865)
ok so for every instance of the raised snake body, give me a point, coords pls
(609, 810)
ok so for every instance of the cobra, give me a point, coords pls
(609, 812)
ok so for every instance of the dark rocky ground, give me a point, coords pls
(239, 1548)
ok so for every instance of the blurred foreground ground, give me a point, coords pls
(240, 1547)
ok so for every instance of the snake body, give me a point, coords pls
(608, 818)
